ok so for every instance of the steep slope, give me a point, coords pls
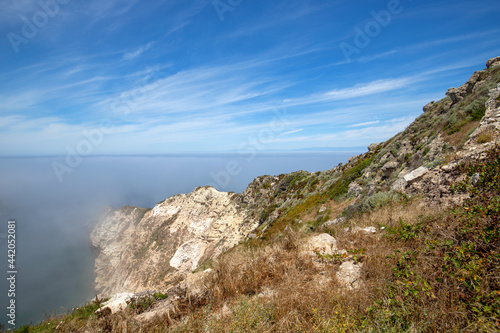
(152, 249)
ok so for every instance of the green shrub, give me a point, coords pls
(405, 231)
(265, 214)
(477, 114)
(381, 199)
(341, 186)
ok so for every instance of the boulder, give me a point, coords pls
(373, 146)
(471, 83)
(389, 168)
(415, 175)
(493, 61)
(324, 244)
(455, 94)
(399, 185)
(428, 106)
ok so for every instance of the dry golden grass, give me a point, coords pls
(275, 288)
(487, 135)
(457, 139)
(305, 297)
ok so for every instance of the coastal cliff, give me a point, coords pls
(150, 248)
(423, 202)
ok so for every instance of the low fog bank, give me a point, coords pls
(54, 217)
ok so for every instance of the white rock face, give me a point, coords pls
(146, 249)
(188, 255)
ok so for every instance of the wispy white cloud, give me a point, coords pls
(291, 132)
(359, 90)
(279, 16)
(138, 52)
(424, 45)
(354, 137)
(368, 123)
(109, 8)
(212, 104)
(369, 58)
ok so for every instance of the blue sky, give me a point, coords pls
(159, 77)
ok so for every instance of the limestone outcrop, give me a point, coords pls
(146, 249)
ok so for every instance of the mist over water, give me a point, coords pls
(54, 218)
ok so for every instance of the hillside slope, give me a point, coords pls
(155, 248)
(402, 238)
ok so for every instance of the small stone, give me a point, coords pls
(333, 222)
(349, 274)
(115, 304)
(475, 179)
(369, 230)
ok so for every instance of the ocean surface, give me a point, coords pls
(54, 210)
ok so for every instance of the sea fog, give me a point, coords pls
(54, 214)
